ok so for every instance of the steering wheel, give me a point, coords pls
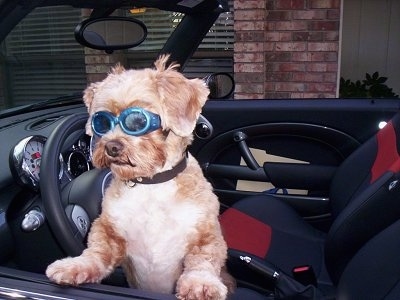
(72, 208)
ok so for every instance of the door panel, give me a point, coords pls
(288, 148)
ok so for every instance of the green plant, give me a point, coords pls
(371, 87)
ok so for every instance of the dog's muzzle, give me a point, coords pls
(114, 148)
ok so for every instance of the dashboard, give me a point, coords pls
(25, 135)
(23, 139)
(26, 157)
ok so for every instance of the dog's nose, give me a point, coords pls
(113, 148)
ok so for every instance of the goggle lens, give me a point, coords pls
(133, 121)
(101, 124)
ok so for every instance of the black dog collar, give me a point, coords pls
(160, 177)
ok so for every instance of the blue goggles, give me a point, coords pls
(134, 121)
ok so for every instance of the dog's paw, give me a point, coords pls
(72, 271)
(200, 285)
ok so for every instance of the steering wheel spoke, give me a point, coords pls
(79, 220)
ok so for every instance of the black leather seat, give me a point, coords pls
(372, 273)
(364, 198)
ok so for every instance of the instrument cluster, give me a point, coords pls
(26, 157)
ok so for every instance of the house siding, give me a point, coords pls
(370, 40)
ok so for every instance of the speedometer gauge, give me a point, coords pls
(33, 156)
(25, 160)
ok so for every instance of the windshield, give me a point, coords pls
(41, 60)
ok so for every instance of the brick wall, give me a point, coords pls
(99, 64)
(286, 48)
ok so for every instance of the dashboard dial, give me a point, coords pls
(33, 156)
(25, 160)
(77, 163)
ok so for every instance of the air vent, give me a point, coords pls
(39, 124)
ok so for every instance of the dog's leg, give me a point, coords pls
(228, 280)
(106, 250)
(201, 278)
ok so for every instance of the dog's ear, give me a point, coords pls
(182, 98)
(88, 95)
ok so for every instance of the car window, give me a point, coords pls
(40, 59)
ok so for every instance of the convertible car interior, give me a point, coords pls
(309, 189)
(364, 186)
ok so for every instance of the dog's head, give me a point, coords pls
(174, 101)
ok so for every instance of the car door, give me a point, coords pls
(287, 148)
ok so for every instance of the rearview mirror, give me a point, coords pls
(111, 33)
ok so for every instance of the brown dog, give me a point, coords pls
(159, 215)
